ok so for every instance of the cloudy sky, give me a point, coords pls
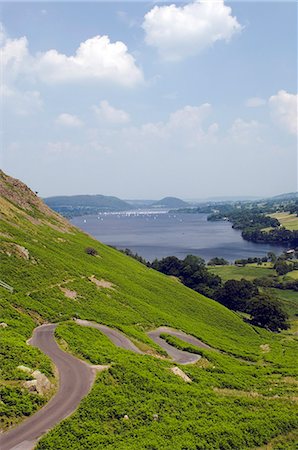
(145, 99)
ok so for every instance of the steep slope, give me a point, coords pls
(54, 279)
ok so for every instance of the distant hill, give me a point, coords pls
(139, 401)
(169, 202)
(78, 205)
(287, 196)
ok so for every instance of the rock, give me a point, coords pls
(40, 384)
(22, 251)
(181, 374)
(43, 384)
(3, 325)
(265, 348)
(31, 385)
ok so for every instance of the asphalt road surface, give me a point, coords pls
(75, 381)
(118, 338)
(76, 378)
(179, 356)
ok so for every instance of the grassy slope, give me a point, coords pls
(287, 298)
(142, 299)
(249, 272)
(289, 221)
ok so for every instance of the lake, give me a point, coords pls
(156, 235)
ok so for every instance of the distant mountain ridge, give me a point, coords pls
(170, 202)
(78, 205)
(286, 196)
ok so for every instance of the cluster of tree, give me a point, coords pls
(292, 208)
(274, 282)
(191, 271)
(282, 267)
(280, 236)
(218, 262)
(242, 219)
(240, 295)
(250, 260)
(244, 296)
(139, 258)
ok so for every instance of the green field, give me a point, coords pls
(249, 272)
(288, 299)
(289, 221)
(292, 275)
(242, 397)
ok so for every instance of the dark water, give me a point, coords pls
(159, 235)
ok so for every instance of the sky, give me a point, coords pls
(146, 99)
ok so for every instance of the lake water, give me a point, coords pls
(156, 235)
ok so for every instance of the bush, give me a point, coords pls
(91, 251)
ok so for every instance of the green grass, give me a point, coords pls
(229, 404)
(191, 416)
(292, 275)
(249, 272)
(289, 221)
(16, 402)
(288, 300)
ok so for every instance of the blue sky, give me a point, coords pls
(194, 99)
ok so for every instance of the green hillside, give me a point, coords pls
(79, 205)
(242, 393)
(170, 202)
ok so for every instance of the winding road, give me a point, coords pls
(179, 356)
(118, 338)
(76, 378)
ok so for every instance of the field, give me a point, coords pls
(242, 393)
(289, 221)
(292, 275)
(286, 298)
(249, 272)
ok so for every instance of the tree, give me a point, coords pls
(282, 267)
(272, 257)
(218, 262)
(267, 313)
(234, 294)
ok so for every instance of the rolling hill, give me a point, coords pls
(242, 392)
(169, 202)
(75, 205)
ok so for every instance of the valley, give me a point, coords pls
(246, 380)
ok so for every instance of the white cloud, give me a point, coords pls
(61, 147)
(284, 110)
(107, 113)
(22, 103)
(69, 120)
(255, 102)
(97, 59)
(14, 57)
(181, 31)
(185, 129)
(244, 131)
